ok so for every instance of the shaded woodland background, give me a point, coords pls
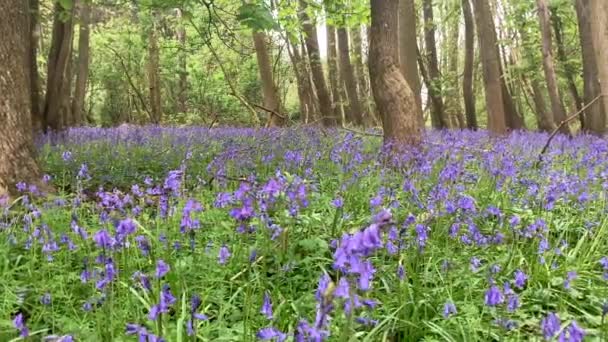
(199, 62)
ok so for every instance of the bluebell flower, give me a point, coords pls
(494, 296)
(449, 309)
(224, 255)
(550, 325)
(267, 306)
(520, 279)
(161, 269)
(19, 324)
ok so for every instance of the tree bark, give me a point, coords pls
(82, 75)
(363, 84)
(348, 77)
(305, 100)
(594, 115)
(569, 73)
(469, 60)
(599, 27)
(337, 92)
(271, 97)
(407, 48)
(395, 99)
(154, 74)
(557, 106)
(490, 61)
(312, 47)
(452, 102)
(17, 162)
(438, 117)
(35, 77)
(182, 95)
(59, 57)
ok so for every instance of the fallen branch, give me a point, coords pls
(564, 122)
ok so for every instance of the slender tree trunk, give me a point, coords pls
(599, 27)
(469, 59)
(271, 96)
(312, 47)
(594, 115)
(408, 47)
(557, 106)
(334, 76)
(363, 84)
(438, 116)
(453, 106)
(305, 102)
(154, 74)
(59, 58)
(348, 77)
(394, 97)
(17, 161)
(490, 61)
(35, 77)
(82, 75)
(544, 119)
(182, 96)
(569, 73)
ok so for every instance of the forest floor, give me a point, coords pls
(240, 234)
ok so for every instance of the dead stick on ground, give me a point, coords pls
(565, 121)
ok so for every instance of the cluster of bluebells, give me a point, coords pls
(268, 181)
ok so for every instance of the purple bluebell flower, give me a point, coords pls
(494, 296)
(550, 325)
(475, 264)
(572, 275)
(573, 333)
(271, 334)
(267, 306)
(520, 279)
(400, 272)
(45, 299)
(449, 309)
(19, 324)
(161, 269)
(103, 239)
(224, 255)
(337, 202)
(512, 302)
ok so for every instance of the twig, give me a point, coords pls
(361, 132)
(273, 112)
(565, 121)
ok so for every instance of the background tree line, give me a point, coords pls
(402, 64)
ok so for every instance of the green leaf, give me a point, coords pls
(257, 17)
(66, 4)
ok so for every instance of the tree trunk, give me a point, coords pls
(59, 58)
(453, 105)
(312, 47)
(17, 162)
(306, 104)
(490, 61)
(544, 119)
(599, 27)
(363, 84)
(337, 100)
(557, 106)
(469, 60)
(182, 96)
(395, 99)
(154, 74)
(35, 81)
(82, 75)
(271, 97)
(408, 47)
(569, 73)
(438, 116)
(348, 77)
(594, 116)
